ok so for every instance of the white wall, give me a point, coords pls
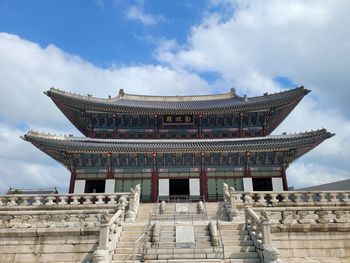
(194, 187)
(247, 184)
(79, 186)
(277, 184)
(110, 186)
(164, 187)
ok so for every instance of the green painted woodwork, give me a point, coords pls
(124, 185)
(189, 174)
(265, 173)
(215, 187)
(230, 174)
(136, 175)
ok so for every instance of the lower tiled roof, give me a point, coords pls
(82, 144)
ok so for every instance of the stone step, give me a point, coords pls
(173, 244)
(177, 250)
(230, 248)
(238, 242)
(237, 237)
(245, 255)
(173, 238)
(232, 226)
(175, 256)
(167, 233)
(233, 232)
(191, 261)
(134, 227)
(134, 234)
(196, 227)
(129, 239)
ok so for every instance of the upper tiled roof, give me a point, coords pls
(268, 143)
(198, 104)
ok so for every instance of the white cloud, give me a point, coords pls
(303, 175)
(306, 41)
(136, 13)
(24, 166)
(27, 70)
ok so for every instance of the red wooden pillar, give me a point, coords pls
(156, 127)
(72, 181)
(264, 131)
(247, 168)
(109, 169)
(284, 178)
(154, 179)
(203, 178)
(241, 132)
(200, 134)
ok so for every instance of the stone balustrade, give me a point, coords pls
(51, 219)
(134, 203)
(10, 201)
(307, 215)
(230, 202)
(297, 198)
(110, 231)
(259, 229)
(287, 198)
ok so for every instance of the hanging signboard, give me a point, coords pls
(177, 119)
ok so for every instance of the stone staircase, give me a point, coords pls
(169, 249)
(125, 246)
(237, 243)
(131, 232)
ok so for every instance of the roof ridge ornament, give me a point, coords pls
(121, 93)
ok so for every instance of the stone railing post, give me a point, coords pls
(213, 233)
(108, 234)
(200, 207)
(247, 204)
(234, 214)
(101, 255)
(156, 233)
(270, 253)
(134, 203)
(161, 208)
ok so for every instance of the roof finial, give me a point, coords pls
(121, 93)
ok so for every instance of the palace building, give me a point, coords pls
(177, 145)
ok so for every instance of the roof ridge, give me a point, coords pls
(124, 96)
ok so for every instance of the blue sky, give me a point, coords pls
(99, 31)
(168, 47)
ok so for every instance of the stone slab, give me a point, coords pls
(181, 208)
(185, 236)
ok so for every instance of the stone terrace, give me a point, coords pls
(288, 227)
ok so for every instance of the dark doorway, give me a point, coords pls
(95, 186)
(179, 187)
(262, 184)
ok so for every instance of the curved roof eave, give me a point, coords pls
(212, 103)
(268, 143)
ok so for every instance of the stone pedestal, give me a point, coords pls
(185, 236)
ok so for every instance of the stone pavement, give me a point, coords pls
(316, 260)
